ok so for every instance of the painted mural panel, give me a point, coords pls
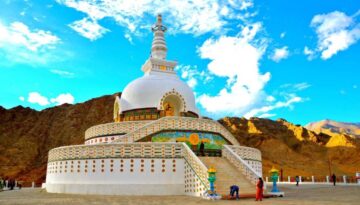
(211, 140)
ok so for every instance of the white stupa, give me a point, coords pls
(152, 147)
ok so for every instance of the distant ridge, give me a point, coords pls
(332, 127)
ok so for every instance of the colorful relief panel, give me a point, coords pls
(211, 140)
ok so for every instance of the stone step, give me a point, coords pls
(228, 175)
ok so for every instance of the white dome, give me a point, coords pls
(150, 90)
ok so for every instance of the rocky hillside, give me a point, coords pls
(27, 135)
(293, 148)
(332, 128)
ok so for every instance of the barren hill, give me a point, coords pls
(26, 135)
(293, 148)
(332, 127)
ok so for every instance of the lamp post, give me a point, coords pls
(274, 176)
(212, 179)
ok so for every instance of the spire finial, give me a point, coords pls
(158, 48)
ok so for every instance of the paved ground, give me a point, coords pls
(310, 194)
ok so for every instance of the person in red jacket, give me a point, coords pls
(259, 189)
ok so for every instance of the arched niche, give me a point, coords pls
(172, 103)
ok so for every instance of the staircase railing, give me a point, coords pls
(250, 173)
(197, 165)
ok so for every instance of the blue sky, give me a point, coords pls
(273, 59)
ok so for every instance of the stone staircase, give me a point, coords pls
(228, 175)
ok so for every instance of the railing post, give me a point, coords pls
(344, 178)
(327, 179)
(289, 179)
(267, 179)
(32, 184)
(313, 179)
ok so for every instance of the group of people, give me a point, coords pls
(333, 179)
(234, 190)
(10, 184)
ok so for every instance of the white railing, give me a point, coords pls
(251, 155)
(117, 150)
(114, 128)
(249, 172)
(196, 164)
(179, 123)
(134, 150)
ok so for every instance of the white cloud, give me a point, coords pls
(37, 98)
(267, 115)
(192, 82)
(25, 45)
(19, 34)
(89, 28)
(237, 59)
(293, 88)
(265, 109)
(282, 35)
(336, 32)
(309, 53)
(270, 98)
(192, 75)
(301, 86)
(195, 17)
(63, 98)
(63, 73)
(280, 53)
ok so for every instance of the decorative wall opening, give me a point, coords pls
(172, 105)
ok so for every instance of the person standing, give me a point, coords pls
(297, 179)
(333, 177)
(259, 189)
(202, 148)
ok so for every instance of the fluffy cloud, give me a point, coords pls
(267, 115)
(192, 75)
(195, 17)
(280, 53)
(236, 59)
(265, 109)
(335, 31)
(88, 28)
(309, 53)
(37, 98)
(21, 44)
(19, 34)
(63, 98)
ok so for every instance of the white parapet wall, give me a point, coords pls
(117, 176)
(126, 169)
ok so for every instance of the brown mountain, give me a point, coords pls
(342, 134)
(293, 148)
(332, 127)
(27, 135)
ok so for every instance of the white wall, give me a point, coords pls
(117, 176)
